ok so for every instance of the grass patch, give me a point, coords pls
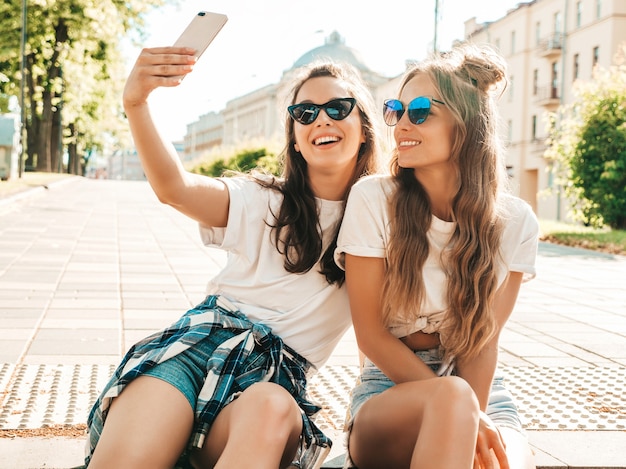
(605, 239)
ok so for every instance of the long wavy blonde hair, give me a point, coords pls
(466, 79)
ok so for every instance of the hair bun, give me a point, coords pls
(480, 65)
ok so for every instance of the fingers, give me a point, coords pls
(170, 50)
(498, 447)
(163, 63)
(501, 457)
(161, 56)
(482, 452)
(490, 447)
(157, 67)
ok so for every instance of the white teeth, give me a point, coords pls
(410, 143)
(327, 139)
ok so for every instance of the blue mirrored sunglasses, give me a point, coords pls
(418, 108)
(337, 109)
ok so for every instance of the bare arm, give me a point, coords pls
(204, 199)
(479, 372)
(364, 280)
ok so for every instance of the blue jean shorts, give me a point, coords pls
(186, 372)
(501, 407)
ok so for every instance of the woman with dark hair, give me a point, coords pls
(434, 256)
(225, 385)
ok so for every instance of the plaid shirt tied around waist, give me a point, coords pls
(242, 353)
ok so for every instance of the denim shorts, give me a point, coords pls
(185, 371)
(501, 407)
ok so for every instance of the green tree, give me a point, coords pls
(74, 73)
(588, 141)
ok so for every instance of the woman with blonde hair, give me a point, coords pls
(434, 256)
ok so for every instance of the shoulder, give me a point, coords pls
(518, 214)
(251, 185)
(515, 206)
(374, 184)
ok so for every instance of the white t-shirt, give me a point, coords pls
(365, 232)
(304, 310)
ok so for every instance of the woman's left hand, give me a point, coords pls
(490, 446)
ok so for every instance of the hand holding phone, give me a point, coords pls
(201, 31)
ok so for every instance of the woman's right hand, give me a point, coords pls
(157, 67)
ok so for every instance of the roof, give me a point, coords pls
(335, 49)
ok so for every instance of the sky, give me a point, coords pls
(263, 38)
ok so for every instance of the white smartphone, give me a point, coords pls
(201, 31)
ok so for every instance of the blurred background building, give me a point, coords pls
(548, 46)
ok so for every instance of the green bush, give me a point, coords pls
(588, 141)
(242, 162)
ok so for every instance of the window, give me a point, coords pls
(576, 71)
(512, 42)
(533, 128)
(554, 92)
(538, 33)
(510, 131)
(511, 88)
(535, 81)
(497, 44)
(558, 23)
(598, 9)
(579, 13)
(596, 55)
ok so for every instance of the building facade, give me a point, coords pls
(202, 135)
(548, 46)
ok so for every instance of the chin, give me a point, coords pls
(404, 163)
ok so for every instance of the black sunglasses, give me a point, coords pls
(337, 109)
(418, 109)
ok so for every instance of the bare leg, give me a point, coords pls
(260, 429)
(148, 426)
(431, 423)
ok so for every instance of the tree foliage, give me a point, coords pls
(588, 141)
(74, 73)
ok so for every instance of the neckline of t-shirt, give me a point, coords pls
(442, 225)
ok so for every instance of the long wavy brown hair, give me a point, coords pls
(297, 231)
(466, 79)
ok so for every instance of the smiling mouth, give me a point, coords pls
(325, 140)
(409, 143)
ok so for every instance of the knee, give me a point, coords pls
(276, 409)
(270, 398)
(455, 396)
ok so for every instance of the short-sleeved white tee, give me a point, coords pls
(308, 313)
(365, 232)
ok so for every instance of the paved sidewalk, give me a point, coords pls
(87, 267)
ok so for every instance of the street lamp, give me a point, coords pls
(22, 106)
(435, 47)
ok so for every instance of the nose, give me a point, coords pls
(322, 118)
(404, 121)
